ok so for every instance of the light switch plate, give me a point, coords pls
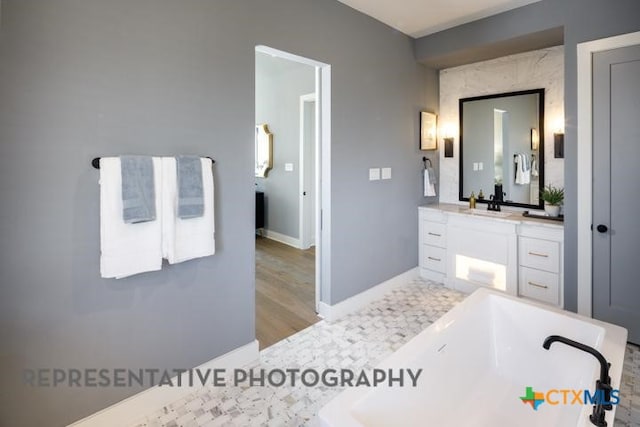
(374, 174)
(288, 167)
(386, 173)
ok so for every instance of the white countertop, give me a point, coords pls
(506, 215)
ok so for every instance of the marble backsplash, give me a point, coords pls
(542, 68)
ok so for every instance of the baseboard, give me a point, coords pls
(282, 238)
(152, 399)
(433, 275)
(334, 312)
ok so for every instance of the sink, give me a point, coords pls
(482, 212)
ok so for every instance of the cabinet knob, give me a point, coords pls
(602, 228)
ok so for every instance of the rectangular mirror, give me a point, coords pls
(502, 147)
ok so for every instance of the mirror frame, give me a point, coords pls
(540, 93)
(263, 136)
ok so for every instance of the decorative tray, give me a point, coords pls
(543, 215)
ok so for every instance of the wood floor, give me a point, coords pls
(285, 290)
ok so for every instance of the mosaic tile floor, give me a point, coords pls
(358, 341)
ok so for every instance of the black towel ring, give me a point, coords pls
(426, 160)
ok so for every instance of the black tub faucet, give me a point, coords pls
(603, 385)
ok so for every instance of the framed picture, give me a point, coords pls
(428, 140)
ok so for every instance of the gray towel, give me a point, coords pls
(190, 195)
(138, 189)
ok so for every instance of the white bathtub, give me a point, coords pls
(477, 361)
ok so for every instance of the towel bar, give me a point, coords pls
(96, 162)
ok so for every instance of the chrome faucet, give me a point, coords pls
(603, 385)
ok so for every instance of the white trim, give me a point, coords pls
(305, 241)
(323, 169)
(585, 147)
(282, 238)
(324, 310)
(332, 313)
(323, 196)
(290, 56)
(135, 407)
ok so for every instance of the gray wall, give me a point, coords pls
(487, 38)
(279, 85)
(583, 20)
(522, 116)
(85, 78)
(477, 143)
(433, 99)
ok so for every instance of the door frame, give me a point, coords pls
(323, 170)
(584, 159)
(305, 240)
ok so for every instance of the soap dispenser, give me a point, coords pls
(472, 201)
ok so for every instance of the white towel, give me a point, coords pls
(126, 249)
(523, 171)
(534, 167)
(429, 187)
(185, 239)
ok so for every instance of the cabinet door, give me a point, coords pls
(434, 258)
(434, 234)
(540, 285)
(540, 254)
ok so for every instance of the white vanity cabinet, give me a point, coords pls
(507, 252)
(540, 262)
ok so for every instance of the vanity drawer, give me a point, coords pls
(434, 234)
(434, 258)
(540, 285)
(540, 254)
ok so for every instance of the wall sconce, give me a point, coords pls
(535, 139)
(448, 141)
(558, 145)
(558, 140)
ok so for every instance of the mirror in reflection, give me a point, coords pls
(264, 150)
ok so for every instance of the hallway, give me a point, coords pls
(285, 290)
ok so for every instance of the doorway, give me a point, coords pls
(292, 250)
(608, 238)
